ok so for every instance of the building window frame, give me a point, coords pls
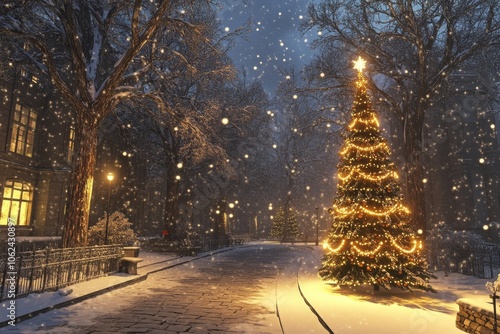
(17, 202)
(22, 139)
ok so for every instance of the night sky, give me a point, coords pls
(274, 41)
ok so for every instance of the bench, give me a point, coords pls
(131, 251)
(129, 265)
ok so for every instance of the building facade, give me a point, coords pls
(36, 148)
(37, 141)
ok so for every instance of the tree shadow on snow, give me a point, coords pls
(450, 288)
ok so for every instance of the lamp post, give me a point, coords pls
(110, 178)
(494, 297)
(317, 226)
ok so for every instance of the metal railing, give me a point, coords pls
(482, 260)
(50, 269)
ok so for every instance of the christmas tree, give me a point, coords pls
(371, 241)
(285, 227)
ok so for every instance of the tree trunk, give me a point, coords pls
(415, 172)
(171, 212)
(220, 222)
(286, 218)
(80, 193)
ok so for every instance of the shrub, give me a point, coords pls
(119, 231)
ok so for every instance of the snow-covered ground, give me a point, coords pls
(345, 311)
(391, 311)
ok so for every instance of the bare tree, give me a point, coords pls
(246, 139)
(207, 100)
(412, 48)
(304, 150)
(91, 51)
(190, 137)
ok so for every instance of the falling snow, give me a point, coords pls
(274, 42)
(236, 114)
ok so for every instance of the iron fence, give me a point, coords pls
(50, 269)
(480, 260)
(484, 262)
(202, 243)
(31, 245)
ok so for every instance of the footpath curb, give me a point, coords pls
(75, 300)
(140, 278)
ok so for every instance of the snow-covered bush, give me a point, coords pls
(192, 239)
(119, 231)
(451, 250)
(494, 287)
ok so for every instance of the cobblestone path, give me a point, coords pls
(231, 292)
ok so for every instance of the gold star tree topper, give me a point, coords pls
(359, 64)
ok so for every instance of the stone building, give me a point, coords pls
(36, 149)
(36, 154)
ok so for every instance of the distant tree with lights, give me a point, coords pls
(371, 240)
(285, 226)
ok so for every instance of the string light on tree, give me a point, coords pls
(284, 225)
(371, 240)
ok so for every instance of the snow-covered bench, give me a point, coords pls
(128, 263)
(131, 251)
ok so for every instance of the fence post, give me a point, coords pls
(88, 265)
(32, 269)
(490, 254)
(70, 269)
(47, 256)
(18, 277)
(58, 276)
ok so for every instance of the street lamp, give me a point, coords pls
(110, 178)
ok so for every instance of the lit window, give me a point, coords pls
(29, 76)
(16, 203)
(23, 131)
(71, 143)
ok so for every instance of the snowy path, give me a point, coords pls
(256, 289)
(290, 304)
(231, 292)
